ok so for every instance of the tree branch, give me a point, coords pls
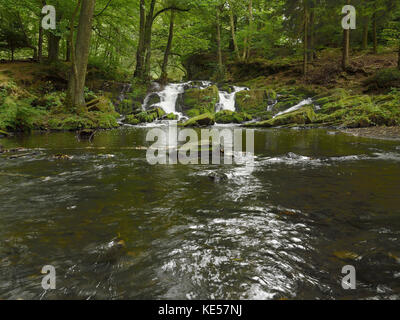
(169, 8)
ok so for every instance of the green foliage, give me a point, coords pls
(385, 78)
(18, 115)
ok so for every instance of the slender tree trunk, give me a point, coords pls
(375, 36)
(80, 56)
(233, 30)
(12, 54)
(365, 34)
(148, 36)
(40, 42)
(305, 40)
(68, 51)
(398, 61)
(250, 29)
(311, 36)
(53, 47)
(140, 49)
(164, 74)
(346, 47)
(219, 49)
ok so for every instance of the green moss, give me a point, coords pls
(227, 116)
(305, 115)
(18, 115)
(145, 116)
(197, 101)
(125, 107)
(356, 111)
(206, 119)
(252, 102)
(171, 116)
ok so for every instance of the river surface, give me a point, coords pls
(115, 227)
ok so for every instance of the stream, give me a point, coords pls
(115, 227)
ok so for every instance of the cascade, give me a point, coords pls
(170, 93)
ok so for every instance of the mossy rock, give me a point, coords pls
(227, 116)
(198, 101)
(145, 116)
(305, 115)
(171, 116)
(252, 102)
(125, 106)
(206, 119)
(132, 120)
(286, 102)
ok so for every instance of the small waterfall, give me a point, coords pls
(296, 107)
(170, 93)
(125, 89)
(227, 100)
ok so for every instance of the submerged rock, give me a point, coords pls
(60, 156)
(218, 177)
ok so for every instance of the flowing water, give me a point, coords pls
(116, 227)
(227, 100)
(170, 93)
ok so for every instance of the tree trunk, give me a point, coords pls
(250, 29)
(398, 61)
(53, 47)
(140, 49)
(80, 56)
(305, 39)
(147, 42)
(311, 37)
(164, 74)
(365, 34)
(12, 54)
(219, 49)
(346, 47)
(68, 51)
(375, 36)
(40, 42)
(233, 30)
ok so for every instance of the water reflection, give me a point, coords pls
(115, 227)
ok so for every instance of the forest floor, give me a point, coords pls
(324, 73)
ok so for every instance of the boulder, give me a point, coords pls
(227, 116)
(198, 101)
(145, 116)
(305, 115)
(206, 119)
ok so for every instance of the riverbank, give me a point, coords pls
(381, 133)
(367, 95)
